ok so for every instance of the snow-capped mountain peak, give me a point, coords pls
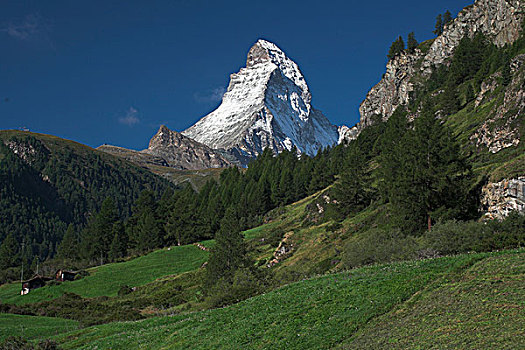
(264, 52)
(267, 104)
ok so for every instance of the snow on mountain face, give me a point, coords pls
(267, 104)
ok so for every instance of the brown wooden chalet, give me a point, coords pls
(36, 282)
(62, 275)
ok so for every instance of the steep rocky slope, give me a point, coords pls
(499, 20)
(171, 149)
(493, 122)
(267, 104)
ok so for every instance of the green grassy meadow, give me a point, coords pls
(481, 308)
(33, 327)
(106, 280)
(451, 301)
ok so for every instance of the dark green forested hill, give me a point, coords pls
(47, 183)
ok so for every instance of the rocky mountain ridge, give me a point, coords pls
(169, 148)
(499, 20)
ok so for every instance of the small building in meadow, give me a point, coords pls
(63, 275)
(36, 282)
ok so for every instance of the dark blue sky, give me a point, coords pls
(111, 72)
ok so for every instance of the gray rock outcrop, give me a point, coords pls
(499, 20)
(169, 148)
(500, 198)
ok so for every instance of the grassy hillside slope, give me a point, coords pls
(336, 309)
(106, 280)
(33, 327)
(481, 308)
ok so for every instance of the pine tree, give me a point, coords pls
(390, 151)
(447, 18)
(119, 244)
(148, 234)
(351, 192)
(97, 236)
(180, 227)
(412, 42)
(506, 72)
(433, 179)
(8, 251)
(69, 247)
(229, 252)
(396, 48)
(450, 98)
(469, 95)
(439, 25)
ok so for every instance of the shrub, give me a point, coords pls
(124, 290)
(379, 246)
(19, 343)
(452, 237)
(245, 284)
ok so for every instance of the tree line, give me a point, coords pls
(185, 216)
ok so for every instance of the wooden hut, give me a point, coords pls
(36, 282)
(62, 275)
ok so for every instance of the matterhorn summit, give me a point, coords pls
(267, 104)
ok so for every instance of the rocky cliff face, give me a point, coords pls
(500, 198)
(499, 20)
(347, 134)
(267, 104)
(182, 152)
(392, 91)
(172, 149)
(501, 129)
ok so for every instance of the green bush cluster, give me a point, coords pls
(380, 245)
(19, 343)
(452, 237)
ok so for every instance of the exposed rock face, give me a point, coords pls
(392, 91)
(283, 251)
(500, 198)
(501, 130)
(182, 152)
(499, 20)
(487, 88)
(267, 104)
(347, 134)
(139, 158)
(172, 149)
(23, 150)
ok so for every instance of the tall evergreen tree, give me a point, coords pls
(181, 222)
(450, 98)
(390, 151)
(506, 72)
(145, 228)
(69, 247)
(97, 236)
(433, 180)
(396, 48)
(229, 252)
(469, 95)
(352, 191)
(438, 29)
(447, 18)
(412, 42)
(119, 244)
(8, 252)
